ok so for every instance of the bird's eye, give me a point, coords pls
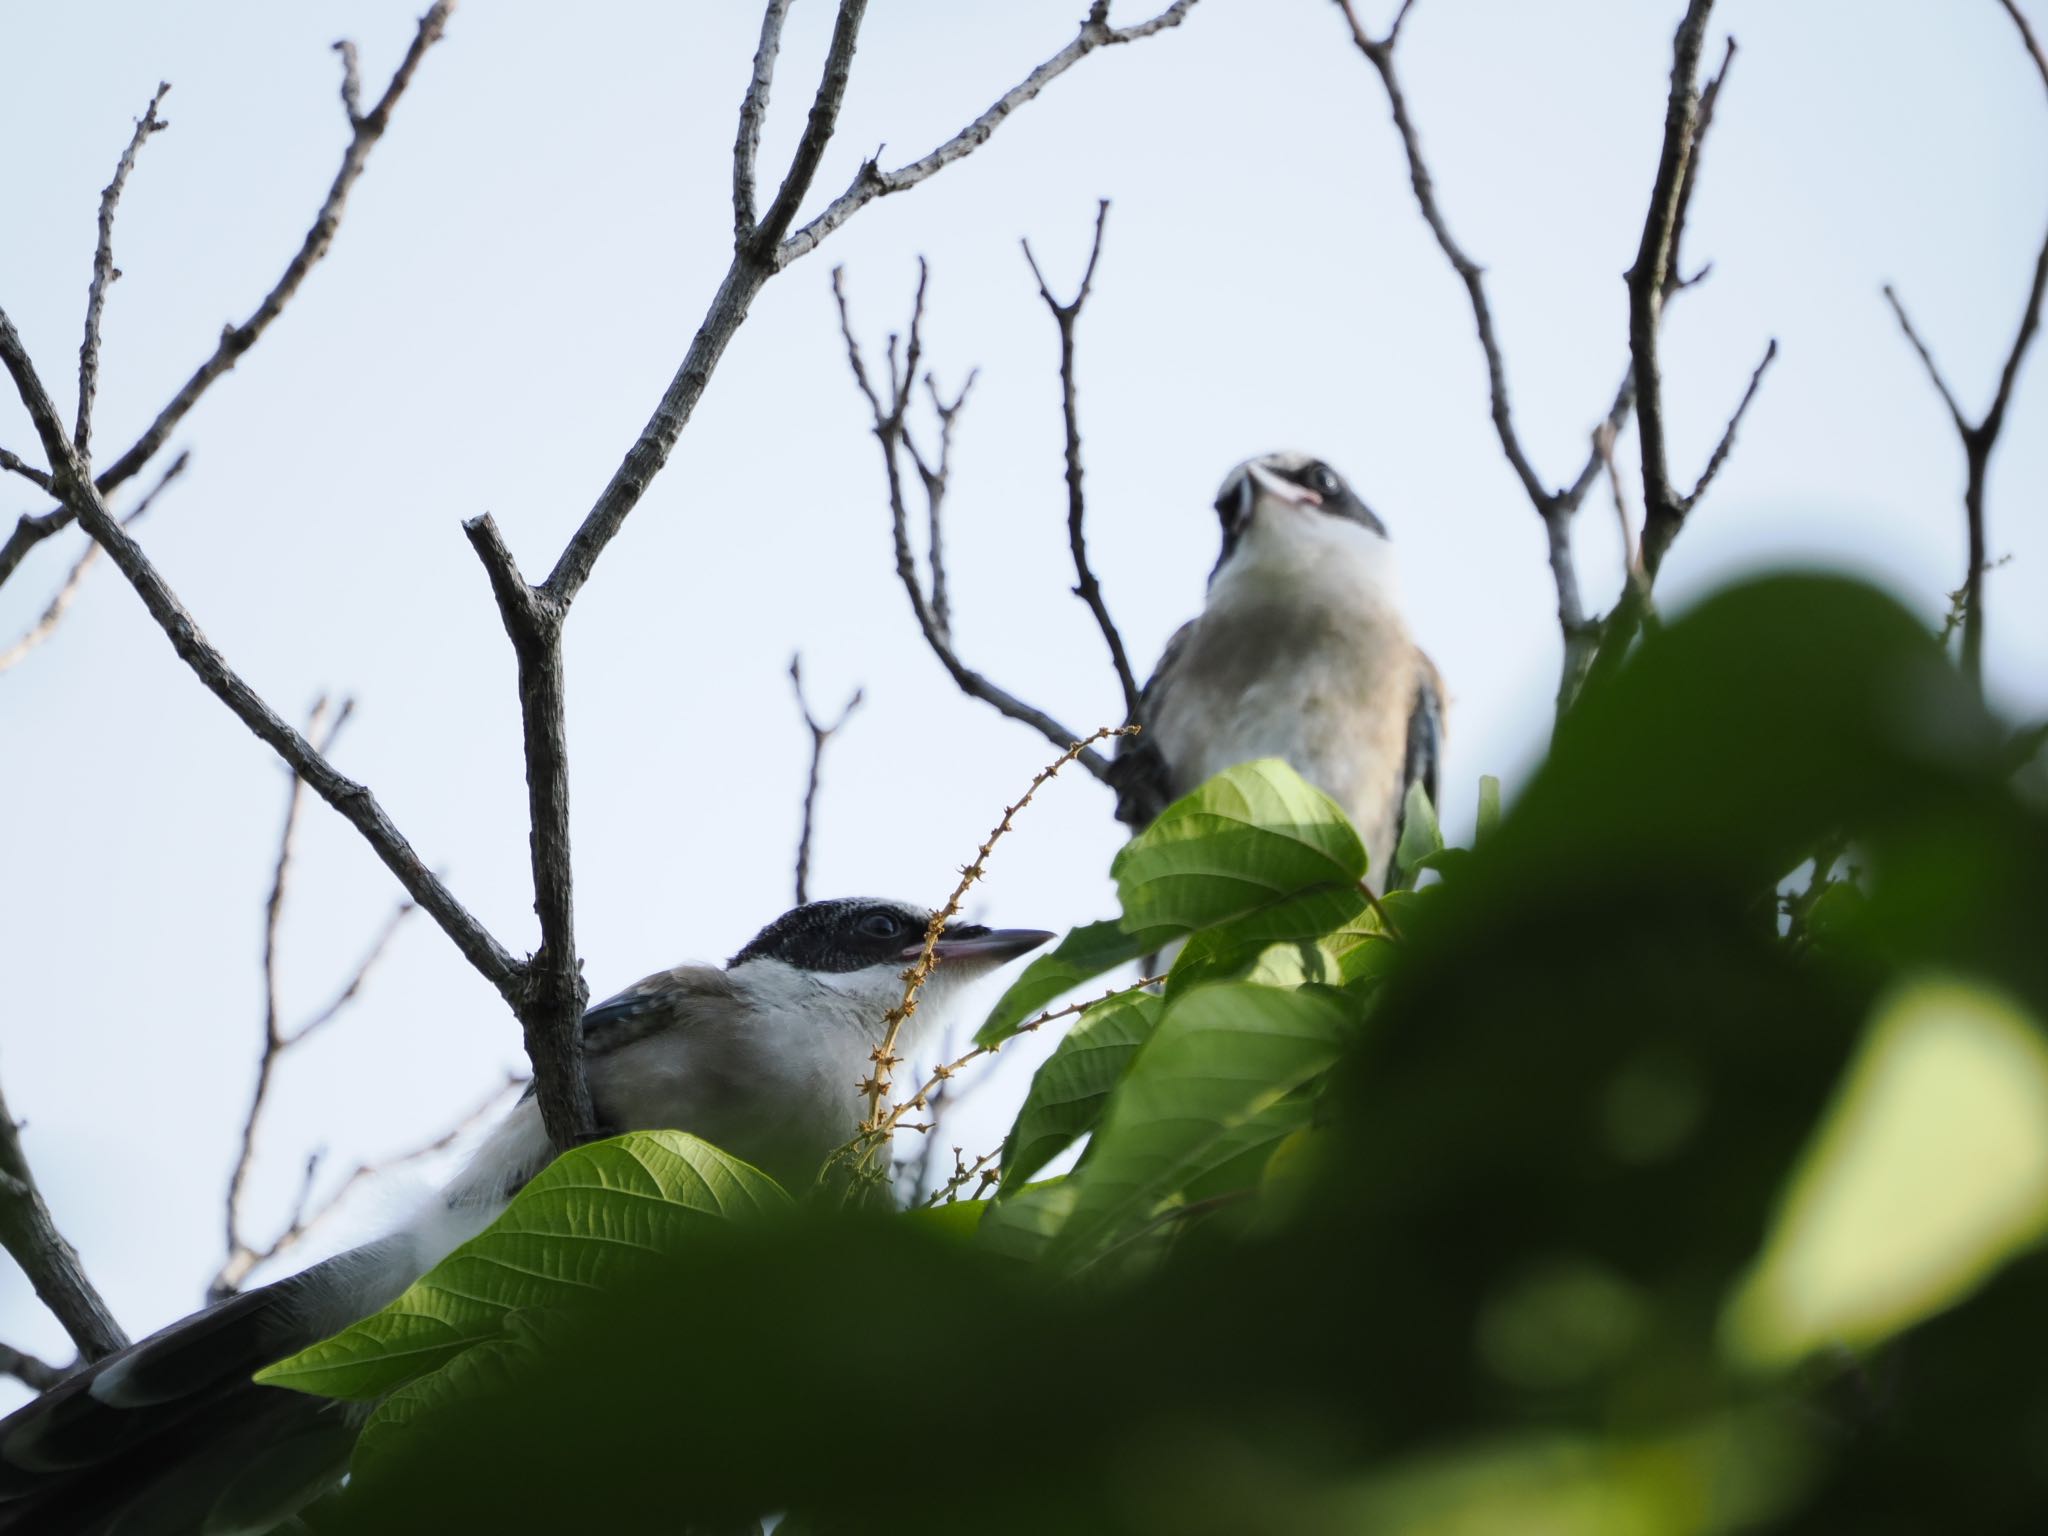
(1322, 479)
(882, 925)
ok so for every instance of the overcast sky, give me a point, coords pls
(514, 283)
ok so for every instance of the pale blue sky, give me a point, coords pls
(513, 285)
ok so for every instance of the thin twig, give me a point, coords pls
(1647, 282)
(1981, 438)
(35, 1374)
(324, 727)
(104, 272)
(30, 1235)
(306, 1216)
(746, 148)
(355, 803)
(1603, 445)
(238, 339)
(14, 463)
(949, 1192)
(1556, 508)
(879, 1118)
(1085, 585)
(871, 181)
(929, 1090)
(51, 616)
(820, 734)
(1652, 279)
(2031, 42)
(891, 431)
(1727, 442)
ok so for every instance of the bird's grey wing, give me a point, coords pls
(650, 1005)
(1139, 773)
(1425, 748)
(667, 1000)
(654, 1003)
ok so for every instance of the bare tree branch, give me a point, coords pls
(53, 615)
(2032, 43)
(351, 79)
(306, 1216)
(1652, 279)
(892, 432)
(1085, 585)
(554, 994)
(37, 1375)
(1727, 442)
(355, 803)
(1603, 445)
(15, 464)
(821, 733)
(1582, 635)
(546, 993)
(238, 339)
(51, 1264)
(746, 149)
(871, 181)
(104, 272)
(1648, 281)
(1980, 438)
(1556, 508)
(766, 250)
(241, 1254)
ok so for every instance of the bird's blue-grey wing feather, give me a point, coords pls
(1425, 747)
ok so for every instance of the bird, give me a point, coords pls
(761, 1057)
(1300, 652)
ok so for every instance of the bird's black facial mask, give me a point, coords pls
(1326, 489)
(850, 934)
(855, 933)
(1292, 477)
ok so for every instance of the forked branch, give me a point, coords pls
(1980, 437)
(890, 413)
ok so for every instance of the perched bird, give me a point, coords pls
(1301, 653)
(760, 1058)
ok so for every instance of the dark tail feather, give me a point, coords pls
(172, 1435)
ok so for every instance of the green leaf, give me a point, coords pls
(1421, 838)
(1309, 936)
(1071, 1087)
(1020, 1226)
(1085, 953)
(1254, 832)
(1489, 809)
(491, 1366)
(590, 1214)
(957, 1219)
(1219, 1056)
(1238, 1159)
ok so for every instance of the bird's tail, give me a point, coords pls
(171, 1435)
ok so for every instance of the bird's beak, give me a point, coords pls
(991, 946)
(1282, 490)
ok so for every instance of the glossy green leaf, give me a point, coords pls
(1253, 833)
(1489, 809)
(1021, 1226)
(1311, 936)
(1421, 838)
(579, 1225)
(1069, 1090)
(1219, 1055)
(1085, 953)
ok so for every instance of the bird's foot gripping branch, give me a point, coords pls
(1571, 1180)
